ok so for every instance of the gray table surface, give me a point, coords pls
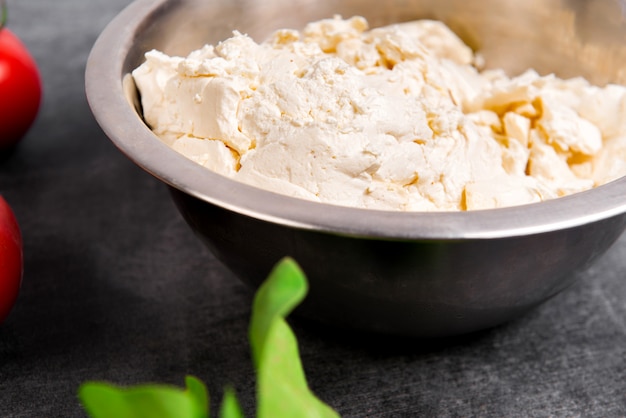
(117, 288)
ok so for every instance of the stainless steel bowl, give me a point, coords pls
(416, 274)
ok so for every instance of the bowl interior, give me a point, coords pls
(566, 37)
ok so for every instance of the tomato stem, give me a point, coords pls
(3, 13)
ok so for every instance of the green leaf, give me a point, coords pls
(198, 392)
(280, 293)
(230, 406)
(282, 390)
(104, 400)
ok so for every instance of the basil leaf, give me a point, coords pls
(197, 391)
(104, 400)
(285, 288)
(230, 406)
(282, 390)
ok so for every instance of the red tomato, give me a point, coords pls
(20, 89)
(11, 259)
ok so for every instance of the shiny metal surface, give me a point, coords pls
(419, 274)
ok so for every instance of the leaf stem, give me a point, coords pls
(3, 13)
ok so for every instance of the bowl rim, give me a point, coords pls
(104, 86)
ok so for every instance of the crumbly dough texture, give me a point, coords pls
(392, 118)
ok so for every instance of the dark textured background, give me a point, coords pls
(116, 287)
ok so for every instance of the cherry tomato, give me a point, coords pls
(20, 89)
(11, 259)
